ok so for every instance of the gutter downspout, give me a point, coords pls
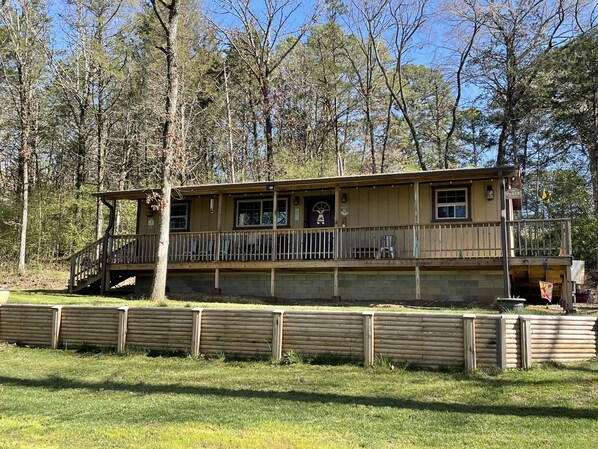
(103, 287)
(504, 239)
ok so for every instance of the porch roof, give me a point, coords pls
(461, 174)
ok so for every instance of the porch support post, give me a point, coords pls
(567, 290)
(418, 283)
(105, 281)
(274, 226)
(273, 283)
(217, 289)
(337, 206)
(336, 242)
(504, 240)
(416, 247)
(335, 295)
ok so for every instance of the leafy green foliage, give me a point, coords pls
(585, 236)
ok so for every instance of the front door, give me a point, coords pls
(319, 213)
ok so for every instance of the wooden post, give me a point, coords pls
(525, 330)
(418, 289)
(56, 321)
(217, 289)
(72, 277)
(196, 331)
(105, 282)
(416, 243)
(337, 206)
(273, 283)
(469, 343)
(274, 226)
(504, 242)
(335, 295)
(219, 227)
(336, 241)
(368, 338)
(501, 342)
(123, 320)
(416, 248)
(567, 290)
(277, 327)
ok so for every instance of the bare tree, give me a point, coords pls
(467, 21)
(170, 27)
(22, 63)
(393, 25)
(515, 34)
(257, 32)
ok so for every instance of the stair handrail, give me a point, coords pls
(77, 271)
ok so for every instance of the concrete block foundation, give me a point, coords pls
(458, 287)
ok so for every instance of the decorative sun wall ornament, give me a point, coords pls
(320, 208)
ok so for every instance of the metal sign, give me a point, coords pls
(513, 194)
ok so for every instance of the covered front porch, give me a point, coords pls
(412, 247)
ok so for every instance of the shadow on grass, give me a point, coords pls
(59, 383)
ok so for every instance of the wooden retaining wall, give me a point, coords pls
(468, 341)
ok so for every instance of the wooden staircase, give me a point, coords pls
(86, 270)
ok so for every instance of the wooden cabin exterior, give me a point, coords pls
(438, 236)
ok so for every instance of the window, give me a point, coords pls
(260, 213)
(451, 204)
(179, 217)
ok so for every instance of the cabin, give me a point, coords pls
(444, 236)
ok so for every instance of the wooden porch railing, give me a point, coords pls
(86, 264)
(434, 241)
(540, 238)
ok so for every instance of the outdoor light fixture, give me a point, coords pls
(211, 205)
(149, 212)
(296, 201)
(269, 186)
(344, 198)
(489, 193)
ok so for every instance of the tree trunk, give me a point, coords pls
(168, 142)
(25, 198)
(267, 111)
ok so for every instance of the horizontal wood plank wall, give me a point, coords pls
(563, 339)
(312, 333)
(424, 339)
(97, 326)
(26, 324)
(513, 342)
(486, 339)
(242, 332)
(160, 328)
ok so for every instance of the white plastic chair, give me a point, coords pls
(387, 246)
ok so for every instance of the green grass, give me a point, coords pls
(61, 298)
(69, 399)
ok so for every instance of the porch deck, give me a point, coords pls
(465, 244)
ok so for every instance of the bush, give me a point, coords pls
(584, 238)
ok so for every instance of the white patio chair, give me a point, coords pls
(387, 246)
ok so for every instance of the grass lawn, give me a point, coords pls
(199, 300)
(69, 399)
